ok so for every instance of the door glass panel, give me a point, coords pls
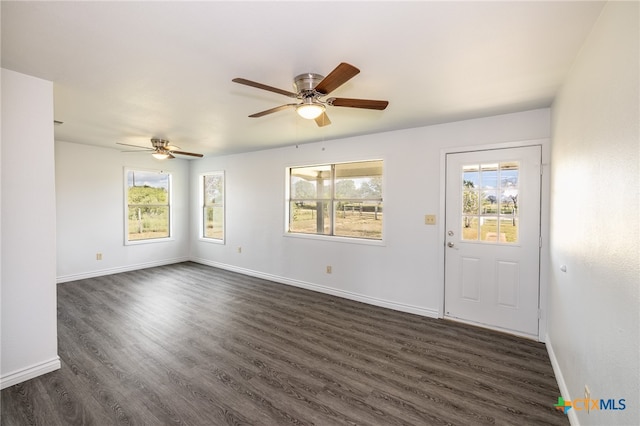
(489, 175)
(470, 202)
(509, 180)
(490, 202)
(469, 228)
(489, 228)
(509, 229)
(470, 176)
(509, 174)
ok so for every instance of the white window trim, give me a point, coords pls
(338, 239)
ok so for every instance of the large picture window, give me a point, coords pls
(148, 215)
(212, 196)
(343, 200)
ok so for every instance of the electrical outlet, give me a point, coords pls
(239, 249)
(98, 256)
(430, 219)
(329, 269)
(587, 397)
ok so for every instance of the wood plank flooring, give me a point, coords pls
(188, 344)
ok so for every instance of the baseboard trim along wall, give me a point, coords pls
(562, 385)
(110, 271)
(29, 372)
(431, 313)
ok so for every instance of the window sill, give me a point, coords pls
(148, 241)
(334, 239)
(211, 240)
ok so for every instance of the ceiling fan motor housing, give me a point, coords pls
(306, 83)
(159, 143)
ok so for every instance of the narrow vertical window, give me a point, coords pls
(212, 225)
(148, 213)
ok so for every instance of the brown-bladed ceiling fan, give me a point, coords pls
(310, 88)
(161, 149)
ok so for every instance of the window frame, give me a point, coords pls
(170, 237)
(203, 205)
(331, 200)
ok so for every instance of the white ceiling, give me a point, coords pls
(129, 71)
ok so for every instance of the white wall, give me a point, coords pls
(405, 272)
(90, 210)
(28, 281)
(594, 310)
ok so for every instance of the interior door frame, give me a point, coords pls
(545, 145)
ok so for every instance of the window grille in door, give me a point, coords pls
(490, 206)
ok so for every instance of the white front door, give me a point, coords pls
(492, 247)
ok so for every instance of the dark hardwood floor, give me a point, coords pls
(188, 344)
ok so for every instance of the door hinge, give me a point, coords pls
(539, 313)
(539, 242)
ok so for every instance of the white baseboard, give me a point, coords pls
(564, 389)
(119, 269)
(431, 313)
(29, 372)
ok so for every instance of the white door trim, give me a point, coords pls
(544, 219)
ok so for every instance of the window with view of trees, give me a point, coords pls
(490, 209)
(342, 200)
(148, 205)
(212, 190)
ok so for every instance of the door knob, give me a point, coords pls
(449, 244)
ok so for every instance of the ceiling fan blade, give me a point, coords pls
(264, 87)
(172, 148)
(272, 110)
(358, 103)
(322, 120)
(336, 78)
(185, 153)
(136, 146)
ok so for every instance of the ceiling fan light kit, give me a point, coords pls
(160, 155)
(310, 88)
(310, 109)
